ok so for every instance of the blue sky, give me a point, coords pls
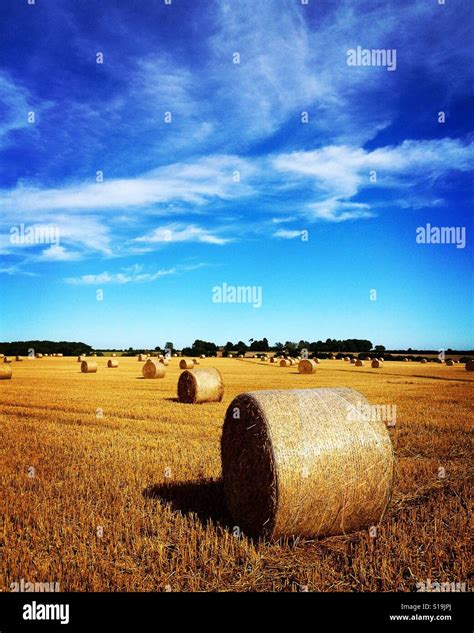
(222, 192)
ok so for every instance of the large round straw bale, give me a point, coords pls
(186, 364)
(272, 359)
(7, 360)
(39, 355)
(175, 355)
(80, 359)
(423, 360)
(203, 356)
(359, 363)
(5, 372)
(114, 355)
(232, 356)
(469, 365)
(376, 363)
(141, 358)
(18, 358)
(449, 362)
(89, 366)
(240, 356)
(164, 361)
(317, 361)
(153, 369)
(405, 360)
(307, 366)
(2, 355)
(285, 362)
(299, 462)
(200, 385)
(112, 363)
(352, 361)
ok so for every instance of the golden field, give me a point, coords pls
(109, 484)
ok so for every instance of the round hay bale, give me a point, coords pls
(5, 372)
(232, 356)
(114, 355)
(317, 361)
(153, 369)
(405, 360)
(112, 363)
(2, 355)
(264, 359)
(175, 355)
(89, 366)
(332, 357)
(240, 356)
(285, 362)
(307, 366)
(186, 364)
(449, 362)
(423, 360)
(200, 385)
(352, 361)
(359, 363)
(376, 363)
(80, 359)
(272, 359)
(295, 462)
(18, 359)
(7, 360)
(469, 365)
(203, 356)
(39, 355)
(164, 361)
(141, 358)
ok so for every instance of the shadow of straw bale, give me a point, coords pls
(204, 498)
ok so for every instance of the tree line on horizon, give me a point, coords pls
(199, 347)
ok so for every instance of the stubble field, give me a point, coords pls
(109, 484)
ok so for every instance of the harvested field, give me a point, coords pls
(109, 483)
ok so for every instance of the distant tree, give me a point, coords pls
(379, 348)
(169, 345)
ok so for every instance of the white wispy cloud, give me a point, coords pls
(181, 233)
(58, 254)
(337, 173)
(132, 274)
(287, 234)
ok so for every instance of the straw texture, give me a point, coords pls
(470, 365)
(5, 372)
(200, 385)
(89, 366)
(307, 366)
(112, 363)
(295, 463)
(153, 369)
